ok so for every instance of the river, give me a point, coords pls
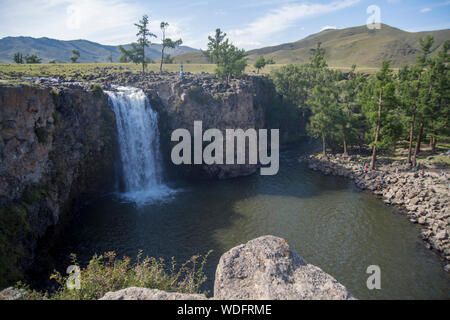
(325, 219)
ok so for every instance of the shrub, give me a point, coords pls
(98, 91)
(107, 273)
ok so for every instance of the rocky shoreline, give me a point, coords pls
(421, 193)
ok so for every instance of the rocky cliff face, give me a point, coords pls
(56, 146)
(240, 104)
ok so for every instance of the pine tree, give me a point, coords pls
(143, 41)
(137, 52)
(349, 118)
(378, 99)
(230, 61)
(433, 99)
(166, 43)
(214, 45)
(76, 55)
(260, 63)
(325, 112)
(439, 111)
(18, 58)
(32, 59)
(422, 62)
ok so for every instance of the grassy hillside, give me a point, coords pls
(191, 57)
(61, 51)
(357, 45)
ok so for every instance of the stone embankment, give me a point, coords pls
(422, 193)
(263, 268)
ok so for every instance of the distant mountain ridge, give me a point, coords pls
(356, 45)
(60, 50)
(343, 48)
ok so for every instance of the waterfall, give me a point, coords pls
(138, 135)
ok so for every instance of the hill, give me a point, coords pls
(357, 45)
(191, 57)
(61, 51)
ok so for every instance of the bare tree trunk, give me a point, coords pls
(433, 145)
(345, 148)
(377, 132)
(419, 142)
(419, 137)
(413, 119)
(324, 147)
(162, 58)
(411, 134)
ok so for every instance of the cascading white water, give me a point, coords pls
(138, 135)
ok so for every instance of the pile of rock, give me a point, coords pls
(421, 192)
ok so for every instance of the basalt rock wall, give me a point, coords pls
(239, 104)
(57, 146)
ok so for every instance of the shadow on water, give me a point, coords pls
(325, 219)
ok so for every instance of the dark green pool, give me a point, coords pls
(325, 219)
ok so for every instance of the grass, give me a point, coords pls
(107, 273)
(13, 71)
(10, 72)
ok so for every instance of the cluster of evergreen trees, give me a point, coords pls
(380, 110)
(34, 59)
(29, 59)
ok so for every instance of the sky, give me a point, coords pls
(248, 23)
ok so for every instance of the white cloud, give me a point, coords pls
(425, 10)
(328, 28)
(278, 20)
(104, 21)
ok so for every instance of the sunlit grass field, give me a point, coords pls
(13, 71)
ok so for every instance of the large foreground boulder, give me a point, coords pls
(265, 268)
(134, 293)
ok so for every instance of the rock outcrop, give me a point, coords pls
(134, 293)
(12, 293)
(240, 104)
(265, 268)
(56, 147)
(422, 193)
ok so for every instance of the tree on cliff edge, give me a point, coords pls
(137, 52)
(230, 60)
(167, 43)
